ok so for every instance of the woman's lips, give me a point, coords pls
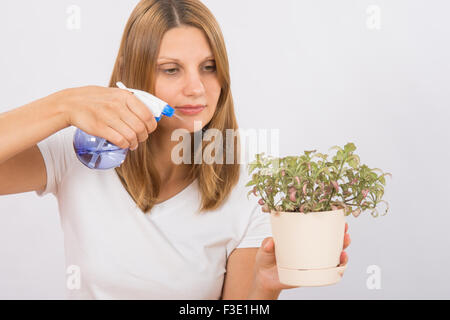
(190, 110)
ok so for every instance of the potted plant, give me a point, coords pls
(308, 201)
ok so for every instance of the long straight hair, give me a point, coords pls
(136, 64)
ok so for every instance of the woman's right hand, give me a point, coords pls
(111, 113)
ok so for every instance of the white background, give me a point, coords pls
(316, 70)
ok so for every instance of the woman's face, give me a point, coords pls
(186, 75)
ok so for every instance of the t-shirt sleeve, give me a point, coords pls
(258, 229)
(57, 151)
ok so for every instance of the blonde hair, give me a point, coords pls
(136, 60)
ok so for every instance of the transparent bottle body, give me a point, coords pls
(97, 153)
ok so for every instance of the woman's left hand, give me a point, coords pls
(266, 264)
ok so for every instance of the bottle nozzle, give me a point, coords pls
(168, 111)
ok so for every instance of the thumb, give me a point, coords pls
(268, 245)
(265, 258)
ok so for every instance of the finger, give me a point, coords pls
(347, 240)
(115, 137)
(125, 131)
(268, 245)
(142, 112)
(265, 258)
(346, 227)
(343, 259)
(135, 123)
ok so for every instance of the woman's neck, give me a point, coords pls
(168, 170)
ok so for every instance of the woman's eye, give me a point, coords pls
(210, 68)
(170, 71)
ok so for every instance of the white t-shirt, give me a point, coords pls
(121, 253)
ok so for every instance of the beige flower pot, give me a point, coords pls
(308, 246)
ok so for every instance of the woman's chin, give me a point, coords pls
(181, 130)
(191, 127)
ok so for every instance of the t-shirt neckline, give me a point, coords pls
(175, 197)
(158, 205)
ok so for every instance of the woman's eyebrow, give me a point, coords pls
(177, 60)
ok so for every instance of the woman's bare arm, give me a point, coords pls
(24, 127)
(22, 167)
(111, 113)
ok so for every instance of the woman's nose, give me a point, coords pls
(193, 85)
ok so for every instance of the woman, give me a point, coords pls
(134, 232)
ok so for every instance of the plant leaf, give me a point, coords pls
(335, 147)
(349, 147)
(250, 183)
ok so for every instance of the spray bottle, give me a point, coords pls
(98, 153)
